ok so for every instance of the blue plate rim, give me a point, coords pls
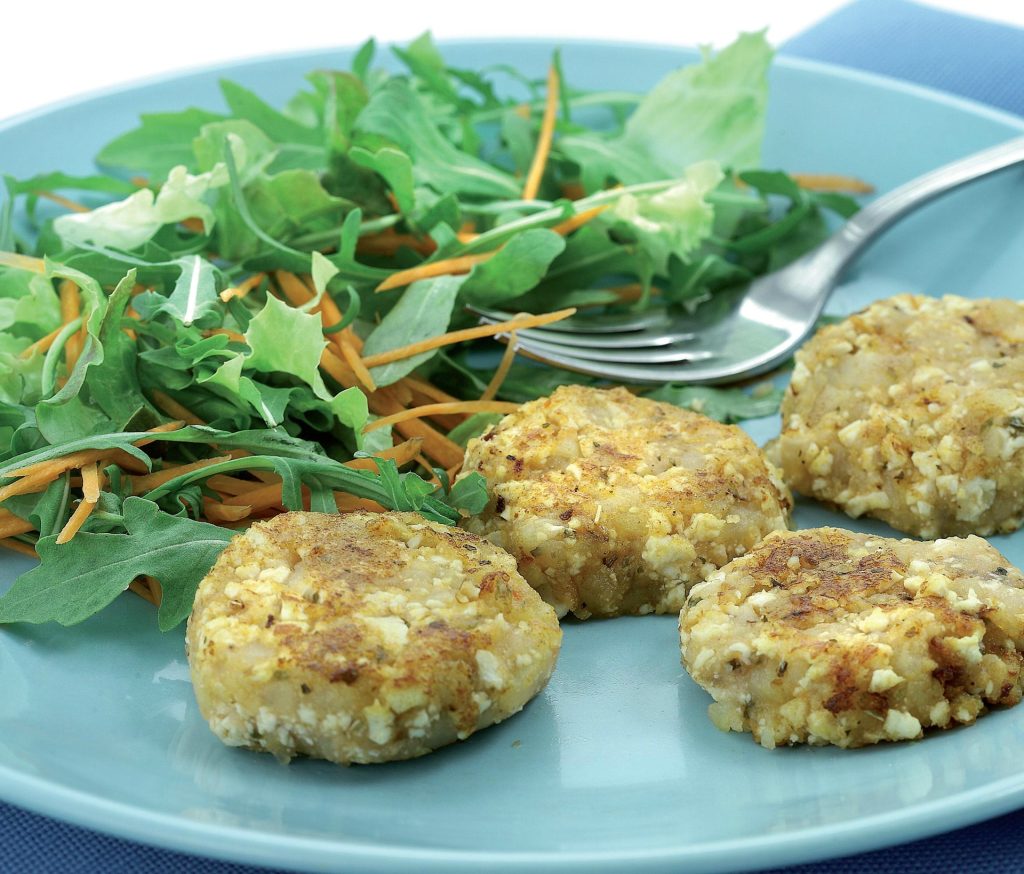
(232, 843)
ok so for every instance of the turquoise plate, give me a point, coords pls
(616, 765)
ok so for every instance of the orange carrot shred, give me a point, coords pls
(171, 407)
(547, 132)
(508, 356)
(444, 267)
(243, 287)
(67, 203)
(18, 546)
(70, 309)
(91, 482)
(42, 344)
(23, 262)
(158, 478)
(476, 333)
(832, 182)
(432, 409)
(361, 371)
(577, 221)
(76, 521)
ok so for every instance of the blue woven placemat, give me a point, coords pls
(968, 57)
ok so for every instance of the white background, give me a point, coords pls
(58, 49)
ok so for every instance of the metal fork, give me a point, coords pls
(764, 325)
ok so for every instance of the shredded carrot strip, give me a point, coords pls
(70, 309)
(507, 357)
(171, 407)
(54, 467)
(67, 203)
(243, 287)
(401, 394)
(444, 267)
(579, 220)
(547, 132)
(11, 525)
(401, 453)
(18, 546)
(232, 335)
(91, 482)
(431, 409)
(76, 521)
(143, 587)
(153, 480)
(337, 368)
(361, 371)
(349, 503)
(270, 495)
(41, 345)
(294, 288)
(215, 511)
(424, 393)
(261, 498)
(428, 390)
(231, 485)
(388, 243)
(27, 485)
(832, 182)
(476, 333)
(383, 402)
(23, 262)
(126, 462)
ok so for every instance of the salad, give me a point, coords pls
(262, 309)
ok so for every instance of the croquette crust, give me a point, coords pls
(613, 504)
(912, 411)
(364, 638)
(826, 636)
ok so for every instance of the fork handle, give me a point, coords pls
(862, 230)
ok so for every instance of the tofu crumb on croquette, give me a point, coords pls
(912, 411)
(364, 637)
(826, 636)
(613, 504)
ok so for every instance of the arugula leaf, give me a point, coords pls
(423, 311)
(397, 113)
(395, 167)
(161, 142)
(77, 579)
(517, 268)
(276, 125)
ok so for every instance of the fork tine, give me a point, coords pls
(656, 374)
(658, 355)
(631, 340)
(586, 324)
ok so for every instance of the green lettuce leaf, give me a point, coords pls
(77, 579)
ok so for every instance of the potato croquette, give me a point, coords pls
(826, 636)
(912, 411)
(364, 638)
(613, 504)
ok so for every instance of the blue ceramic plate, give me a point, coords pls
(615, 766)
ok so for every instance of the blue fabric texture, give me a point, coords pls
(964, 56)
